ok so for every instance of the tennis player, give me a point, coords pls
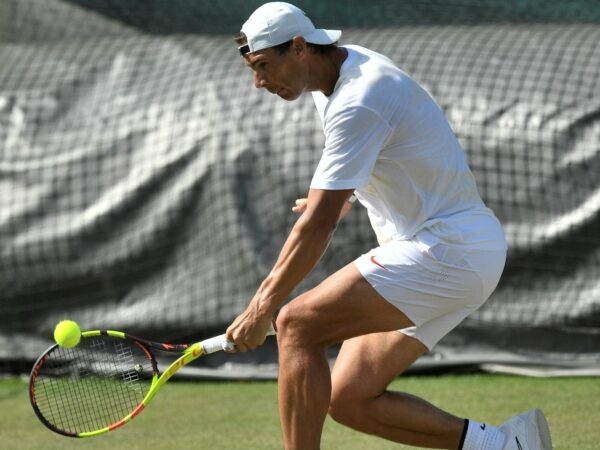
(441, 250)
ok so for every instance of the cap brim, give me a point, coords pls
(323, 37)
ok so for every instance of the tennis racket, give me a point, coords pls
(106, 380)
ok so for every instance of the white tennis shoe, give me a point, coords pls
(528, 431)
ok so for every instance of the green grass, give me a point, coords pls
(243, 415)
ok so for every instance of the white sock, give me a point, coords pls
(481, 436)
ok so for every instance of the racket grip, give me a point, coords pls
(215, 344)
(221, 342)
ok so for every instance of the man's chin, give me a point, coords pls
(287, 95)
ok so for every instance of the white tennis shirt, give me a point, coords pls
(387, 139)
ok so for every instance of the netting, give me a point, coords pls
(145, 185)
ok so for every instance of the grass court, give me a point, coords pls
(243, 415)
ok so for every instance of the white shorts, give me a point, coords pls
(436, 287)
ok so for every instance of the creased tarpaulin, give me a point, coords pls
(146, 186)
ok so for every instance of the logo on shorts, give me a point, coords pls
(374, 261)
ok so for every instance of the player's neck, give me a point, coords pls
(328, 70)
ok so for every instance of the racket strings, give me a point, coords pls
(93, 385)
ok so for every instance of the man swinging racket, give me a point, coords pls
(441, 250)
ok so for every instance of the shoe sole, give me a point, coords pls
(543, 429)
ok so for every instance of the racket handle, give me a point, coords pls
(214, 344)
(218, 343)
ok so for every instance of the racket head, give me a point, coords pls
(94, 387)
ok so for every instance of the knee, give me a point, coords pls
(297, 326)
(340, 411)
(290, 328)
(348, 410)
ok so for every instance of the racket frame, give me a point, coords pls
(189, 352)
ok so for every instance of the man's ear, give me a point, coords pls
(298, 45)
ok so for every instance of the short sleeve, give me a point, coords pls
(353, 140)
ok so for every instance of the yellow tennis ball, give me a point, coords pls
(67, 333)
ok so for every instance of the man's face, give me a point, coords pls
(279, 73)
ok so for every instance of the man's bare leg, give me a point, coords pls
(342, 307)
(360, 399)
(304, 385)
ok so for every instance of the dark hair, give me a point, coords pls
(240, 38)
(282, 48)
(322, 49)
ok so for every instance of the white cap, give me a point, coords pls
(278, 22)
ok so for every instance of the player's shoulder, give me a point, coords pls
(366, 62)
(370, 77)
